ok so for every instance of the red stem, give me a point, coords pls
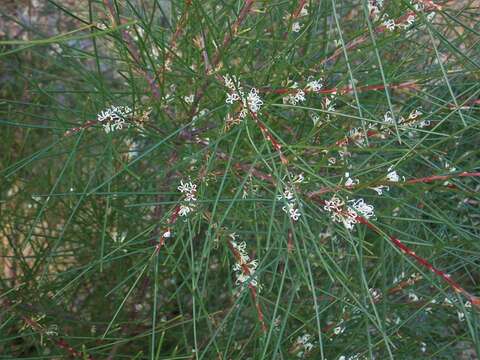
(432, 178)
(423, 262)
(74, 130)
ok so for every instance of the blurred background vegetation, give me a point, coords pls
(82, 211)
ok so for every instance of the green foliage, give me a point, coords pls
(98, 263)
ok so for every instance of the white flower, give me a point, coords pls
(316, 119)
(245, 269)
(334, 204)
(461, 316)
(185, 210)
(189, 99)
(294, 99)
(340, 213)
(330, 106)
(376, 294)
(287, 194)
(300, 96)
(350, 182)
(348, 215)
(304, 11)
(231, 82)
(296, 27)
(305, 343)
(298, 179)
(294, 214)
(231, 98)
(254, 101)
(388, 23)
(338, 330)
(388, 118)
(412, 297)
(379, 189)
(190, 197)
(188, 189)
(423, 347)
(361, 207)
(392, 175)
(240, 247)
(114, 118)
(419, 6)
(314, 85)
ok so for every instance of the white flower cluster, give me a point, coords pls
(296, 26)
(388, 23)
(244, 276)
(305, 344)
(405, 123)
(251, 102)
(420, 7)
(407, 21)
(362, 208)
(314, 85)
(348, 214)
(114, 118)
(189, 190)
(289, 198)
(414, 116)
(295, 97)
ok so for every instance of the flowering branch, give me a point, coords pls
(245, 266)
(217, 56)
(60, 342)
(428, 6)
(427, 179)
(405, 85)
